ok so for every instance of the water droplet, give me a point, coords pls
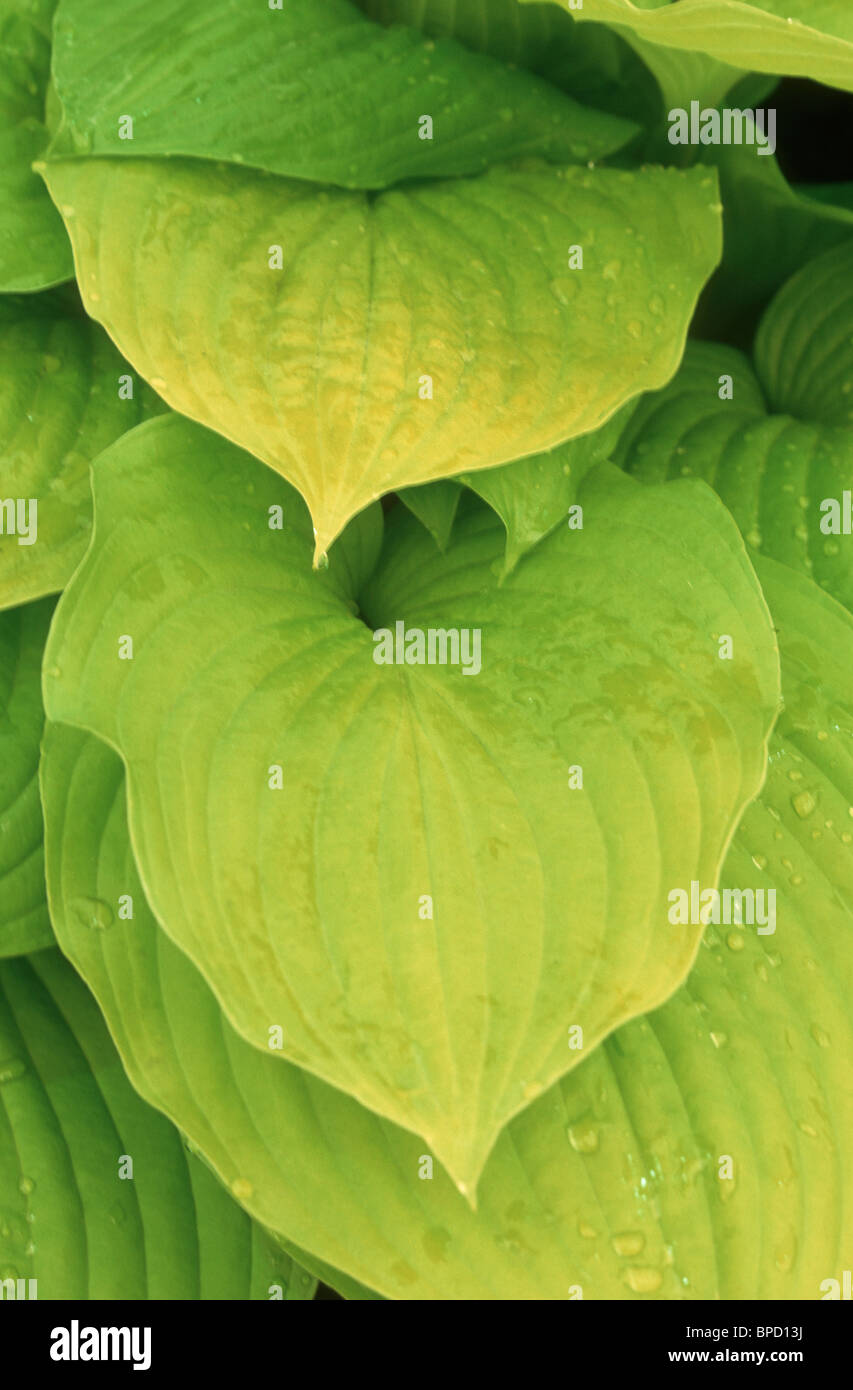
(583, 1138)
(735, 941)
(93, 913)
(242, 1189)
(718, 1039)
(635, 328)
(820, 1036)
(628, 1243)
(759, 861)
(26, 1186)
(588, 1232)
(643, 1280)
(611, 270)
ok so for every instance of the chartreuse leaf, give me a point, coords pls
(34, 247)
(785, 479)
(24, 921)
(98, 1197)
(435, 506)
(313, 91)
(424, 332)
(801, 38)
(618, 1179)
(535, 494)
(64, 395)
(349, 850)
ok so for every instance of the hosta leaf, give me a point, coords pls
(24, 922)
(458, 289)
(63, 390)
(802, 38)
(370, 907)
(804, 345)
(313, 90)
(775, 472)
(614, 1180)
(592, 62)
(435, 506)
(770, 231)
(34, 247)
(534, 495)
(69, 1121)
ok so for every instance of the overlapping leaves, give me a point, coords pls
(397, 786)
(99, 1198)
(423, 332)
(312, 91)
(803, 38)
(65, 393)
(34, 248)
(701, 1152)
(779, 473)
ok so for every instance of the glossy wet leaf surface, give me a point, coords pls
(348, 850)
(411, 335)
(700, 1152)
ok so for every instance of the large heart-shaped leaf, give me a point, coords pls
(775, 472)
(312, 90)
(412, 335)
(34, 247)
(99, 1198)
(803, 38)
(24, 922)
(349, 852)
(701, 1152)
(64, 395)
